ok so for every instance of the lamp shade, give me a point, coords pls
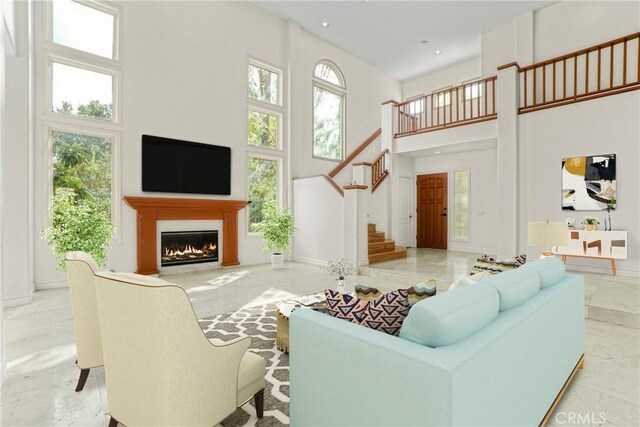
(548, 234)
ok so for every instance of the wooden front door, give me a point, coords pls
(432, 211)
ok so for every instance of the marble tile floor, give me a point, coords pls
(611, 299)
(41, 375)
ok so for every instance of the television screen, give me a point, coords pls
(174, 166)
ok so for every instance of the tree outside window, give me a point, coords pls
(328, 112)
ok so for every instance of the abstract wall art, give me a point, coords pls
(589, 183)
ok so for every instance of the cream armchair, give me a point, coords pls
(160, 368)
(80, 272)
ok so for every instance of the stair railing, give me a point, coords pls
(461, 105)
(601, 70)
(378, 170)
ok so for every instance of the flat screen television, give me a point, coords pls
(174, 166)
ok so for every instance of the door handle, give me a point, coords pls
(410, 216)
(443, 214)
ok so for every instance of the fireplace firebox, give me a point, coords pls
(188, 247)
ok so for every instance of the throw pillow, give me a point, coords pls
(468, 280)
(384, 314)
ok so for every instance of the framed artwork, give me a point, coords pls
(589, 183)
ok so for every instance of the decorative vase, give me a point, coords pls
(589, 227)
(340, 287)
(277, 261)
(610, 226)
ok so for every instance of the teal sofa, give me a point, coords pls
(495, 353)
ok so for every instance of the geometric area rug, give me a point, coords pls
(259, 323)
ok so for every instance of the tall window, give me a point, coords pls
(461, 205)
(265, 151)
(329, 94)
(81, 122)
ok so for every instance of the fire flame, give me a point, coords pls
(189, 250)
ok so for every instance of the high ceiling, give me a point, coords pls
(389, 34)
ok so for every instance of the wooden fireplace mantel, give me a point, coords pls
(152, 209)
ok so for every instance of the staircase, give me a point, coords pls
(382, 249)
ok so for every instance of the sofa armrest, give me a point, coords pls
(337, 366)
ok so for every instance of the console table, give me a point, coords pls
(598, 244)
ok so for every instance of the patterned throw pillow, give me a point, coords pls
(384, 314)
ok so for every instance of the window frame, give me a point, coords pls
(47, 121)
(278, 71)
(340, 91)
(278, 115)
(116, 190)
(279, 159)
(454, 237)
(279, 153)
(101, 6)
(75, 63)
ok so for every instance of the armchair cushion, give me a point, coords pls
(250, 376)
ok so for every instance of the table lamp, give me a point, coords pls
(548, 234)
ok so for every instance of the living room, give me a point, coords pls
(434, 88)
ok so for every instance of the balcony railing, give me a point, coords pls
(465, 104)
(605, 69)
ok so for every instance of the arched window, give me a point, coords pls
(329, 92)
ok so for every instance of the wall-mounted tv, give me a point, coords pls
(174, 166)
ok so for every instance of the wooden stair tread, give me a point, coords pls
(397, 253)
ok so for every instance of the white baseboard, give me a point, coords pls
(311, 261)
(469, 250)
(52, 285)
(19, 300)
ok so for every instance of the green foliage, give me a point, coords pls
(277, 230)
(94, 109)
(591, 220)
(262, 189)
(327, 124)
(78, 225)
(262, 129)
(81, 205)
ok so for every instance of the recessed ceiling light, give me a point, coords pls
(325, 24)
(438, 52)
(437, 152)
(424, 41)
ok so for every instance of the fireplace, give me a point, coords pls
(188, 247)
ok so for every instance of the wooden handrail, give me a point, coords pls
(456, 106)
(333, 184)
(355, 153)
(582, 88)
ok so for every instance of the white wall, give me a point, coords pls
(453, 75)
(567, 26)
(583, 129)
(18, 284)
(367, 87)
(498, 48)
(482, 166)
(2, 145)
(185, 76)
(319, 221)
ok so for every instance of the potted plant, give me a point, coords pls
(277, 231)
(341, 268)
(590, 222)
(78, 225)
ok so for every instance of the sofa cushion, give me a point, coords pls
(550, 269)
(451, 316)
(385, 314)
(514, 286)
